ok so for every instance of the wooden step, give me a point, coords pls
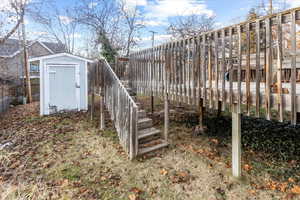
(145, 150)
(142, 114)
(144, 123)
(148, 133)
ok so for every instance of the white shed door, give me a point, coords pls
(63, 88)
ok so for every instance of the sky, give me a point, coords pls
(158, 13)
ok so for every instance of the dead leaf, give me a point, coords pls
(215, 141)
(291, 180)
(135, 190)
(296, 189)
(252, 192)
(65, 183)
(247, 167)
(132, 197)
(163, 172)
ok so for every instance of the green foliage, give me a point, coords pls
(107, 51)
(277, 140)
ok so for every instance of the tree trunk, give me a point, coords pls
(26, 66)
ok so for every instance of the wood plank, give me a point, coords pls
(166, 96)
(239, 90)
(199, 60)
(216, 72)
(210, 71)
(248, 68)
(153, 148)
(185, 72)
(204, 66)
(223, 69)
(268, 69)
(258, 68)
(230, 68)
(279, 67)
(293, 69)
(236, 142)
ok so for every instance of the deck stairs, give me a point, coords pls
(149, 138)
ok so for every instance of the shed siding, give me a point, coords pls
(82, 74)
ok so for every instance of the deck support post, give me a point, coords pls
(166, 95)
(166, 117)
(102, 124)
(219, 108)
(236, 142)
(201, 113)
(92, 103)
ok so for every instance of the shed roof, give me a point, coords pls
(58, 55)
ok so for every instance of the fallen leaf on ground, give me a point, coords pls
(163, 172)
(215, 141)
(247, 167)
(296, 189)
(132, 197)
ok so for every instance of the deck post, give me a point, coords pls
(102, 124)
(201, 113)
(236, 142)
(166, 96)
(93, 101)
(101, 91)
(219, 109)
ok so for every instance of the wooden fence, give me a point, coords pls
(120, 105)
(217, 67)
(6, 97)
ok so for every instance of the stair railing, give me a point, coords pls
(121, 107)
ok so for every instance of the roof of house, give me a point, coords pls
(12, 46)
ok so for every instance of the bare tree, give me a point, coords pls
(115, 23)
(133, 21)
(188, 26)
(60, 25)
(103, 18)
(15, 11)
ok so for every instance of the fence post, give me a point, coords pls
(133, 132)
(201, 114)
(166, 96)
(236, 141)
(2, 99)
(93, 93)
(101, 85)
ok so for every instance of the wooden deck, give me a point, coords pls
(196, 66)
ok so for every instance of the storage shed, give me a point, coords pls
(63, 83)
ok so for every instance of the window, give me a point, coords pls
(34, 68)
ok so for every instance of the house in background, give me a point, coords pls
(11, 58)
(11, 63)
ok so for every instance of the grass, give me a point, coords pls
(66, 156)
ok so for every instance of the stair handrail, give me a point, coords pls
(122, 108)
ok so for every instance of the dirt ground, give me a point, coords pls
(65, 156)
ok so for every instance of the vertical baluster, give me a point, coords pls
(239, 90)
(258, 68)
(223, 69)
(231, 68)
(293, 69)
(248, 69)
(268, 70)
(216, 77)
(204, 66)
(279, 67)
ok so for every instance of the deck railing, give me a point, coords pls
(217, 67)
(120, 105)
